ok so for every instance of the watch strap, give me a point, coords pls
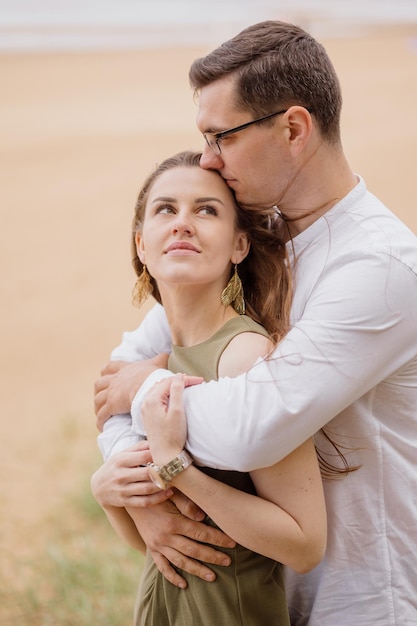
(168, 471)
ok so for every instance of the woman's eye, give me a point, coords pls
(207, 210)
(164, 209)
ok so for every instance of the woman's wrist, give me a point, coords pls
(165, 454)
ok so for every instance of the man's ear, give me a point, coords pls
(140, 247)
(300, 126)
(242, 247)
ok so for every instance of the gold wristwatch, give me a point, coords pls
(162, 475)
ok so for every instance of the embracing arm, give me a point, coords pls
(345, 342)
(142, 351)
(166, 521)
(124, 526)
(123, 481)
(285, 521)
(148, 340)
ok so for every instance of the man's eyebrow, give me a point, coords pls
(212, 130)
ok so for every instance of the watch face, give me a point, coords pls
(156, 478)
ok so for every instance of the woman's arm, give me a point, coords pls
(285, 522)
(125, 527)
(141, 514)
(123, 482)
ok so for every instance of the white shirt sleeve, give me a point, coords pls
(355, 328)
(117, 435)
(151, 338)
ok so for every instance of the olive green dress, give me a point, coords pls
(249, 592)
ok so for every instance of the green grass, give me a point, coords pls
(84, 575)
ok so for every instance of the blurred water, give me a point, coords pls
(130, 24)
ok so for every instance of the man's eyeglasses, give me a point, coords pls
(214, 139)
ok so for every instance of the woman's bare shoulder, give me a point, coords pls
(242, 352)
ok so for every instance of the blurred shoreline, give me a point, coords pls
(44, 39)
(145, 24)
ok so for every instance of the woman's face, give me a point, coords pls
(189, 235)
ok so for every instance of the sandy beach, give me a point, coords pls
(79, 131)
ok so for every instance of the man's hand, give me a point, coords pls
(174, 540)
(118, 384)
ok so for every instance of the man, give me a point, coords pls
(269, 108)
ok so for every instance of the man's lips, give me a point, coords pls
(181, 247)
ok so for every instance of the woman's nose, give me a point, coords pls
(182, 225)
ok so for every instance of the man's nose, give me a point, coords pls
(210, 160)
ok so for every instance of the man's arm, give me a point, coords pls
(116, 388)
(353, 333)
(152, 337)
(141, 348)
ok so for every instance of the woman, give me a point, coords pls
(206, 260)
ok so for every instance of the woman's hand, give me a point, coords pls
(123, 481)
(164, 417)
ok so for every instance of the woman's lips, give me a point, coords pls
(182, 247)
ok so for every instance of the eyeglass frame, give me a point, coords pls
(224, 133)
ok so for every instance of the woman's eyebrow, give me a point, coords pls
(209, 199)
(164, 199)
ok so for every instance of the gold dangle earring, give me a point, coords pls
(233, 293)
(143, 288)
